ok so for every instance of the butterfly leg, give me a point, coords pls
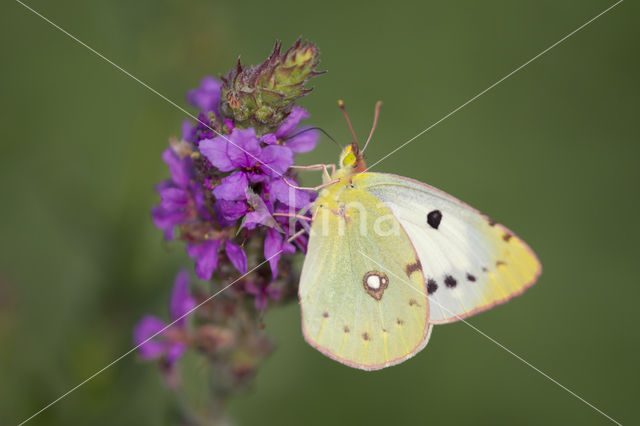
(326, 176)
(311, 188)
(296, 235)
(297, 216)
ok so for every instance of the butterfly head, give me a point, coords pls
(352, 158)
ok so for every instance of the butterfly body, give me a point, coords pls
(389, 257)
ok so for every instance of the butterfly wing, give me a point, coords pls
(470, 262)
(355, 309)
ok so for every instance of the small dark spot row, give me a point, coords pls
(450, 282)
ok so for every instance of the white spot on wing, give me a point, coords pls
(373, 281)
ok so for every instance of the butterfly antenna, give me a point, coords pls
(314, 128)
(346, 116)
(376, 114)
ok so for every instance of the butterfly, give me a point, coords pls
(388, 257)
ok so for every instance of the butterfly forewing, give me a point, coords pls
(362, 291)
(469, 262)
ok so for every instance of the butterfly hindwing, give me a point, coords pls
(469, 262)
(362, 296)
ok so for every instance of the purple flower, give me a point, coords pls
(262, 294)
(154, 338)
(300, 142)
(232, 181)
(241, 150)
(207, 96)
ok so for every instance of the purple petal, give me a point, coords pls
(229, 211)
(290, 196)
(181, 169)
(276, 160)
(276, 245)
(174, 199)
(297, 113)
(237, 256)
(166, 220)
(149, 326)
(181, 301)
(215, 150)
(269, 139)
(244, 148)
(201, 202)
(273, 250)
(206, 255)
(207, 96)
(304, 142)
(188, 131)
(232, 187)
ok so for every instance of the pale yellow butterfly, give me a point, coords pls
(388, 257)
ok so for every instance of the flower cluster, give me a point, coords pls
(230, 198)
(231, 183)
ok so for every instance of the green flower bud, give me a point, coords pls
(262, 96)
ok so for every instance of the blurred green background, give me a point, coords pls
(552, 152)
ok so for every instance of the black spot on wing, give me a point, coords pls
(433, 218)
(432, 286)
(470, 277)
(450, 282)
